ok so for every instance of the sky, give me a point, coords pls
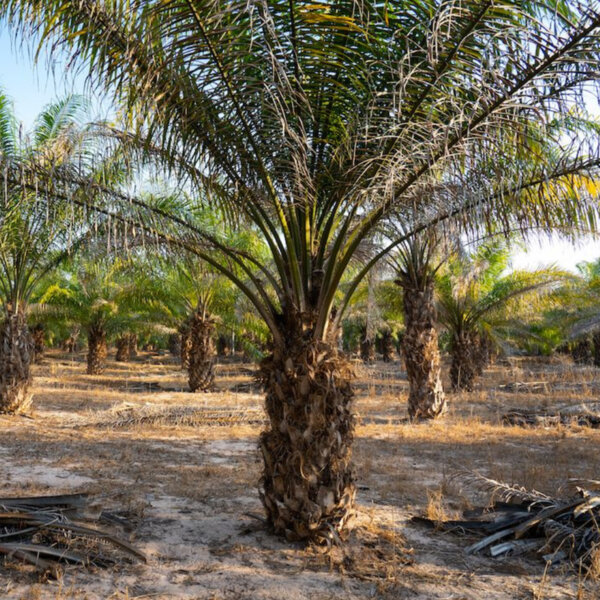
(31, 87)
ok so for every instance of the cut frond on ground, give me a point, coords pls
(46, 531)
(517, 522)
(127, 416)
(581, 416)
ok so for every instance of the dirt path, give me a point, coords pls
(192, 488)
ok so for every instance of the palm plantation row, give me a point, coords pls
(336, 133)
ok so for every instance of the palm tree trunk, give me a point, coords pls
(463, 368)
(483, 352)
(582, 351)
(367, 350)
(133, 344)
(186, 344)
(38, 333)
(201, 373)
(307, 486)
(123, 348)
(97, 351)
(426, 398)
(174, 344)
(16, 352)
(596, 343)
(70, 344)
(387, 346)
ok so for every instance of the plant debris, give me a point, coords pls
(517, 522)
(46, 531)
(569, 416)
(122, 417)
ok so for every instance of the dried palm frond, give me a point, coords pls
(557, 529)
(46, 530)
(580, 416)
(499, 490)
(130, 416)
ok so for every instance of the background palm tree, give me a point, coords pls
(104, 297)
(36, 234)
(478, 305)
(314, 121)
(415, 263)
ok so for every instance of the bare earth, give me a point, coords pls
(191, 489)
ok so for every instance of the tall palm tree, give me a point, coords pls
(313, 122)
(415, 264)
(36, 235)
(478, 304)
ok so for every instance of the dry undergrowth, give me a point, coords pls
(194, 484)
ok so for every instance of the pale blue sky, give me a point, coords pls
(32, 87)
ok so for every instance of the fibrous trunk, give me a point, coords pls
(223, 346)
(38, 333)
(133, 345)
(582, 351)
(123, 348)
(307, 486)
(186, 344)
(97, 351)
(70, 344)
(367, 347)
(174, 344)
(201, 373)
(484, 351)
(426, 399)
(387, 346)
(16, 352)
(596, 343)
(463, 368)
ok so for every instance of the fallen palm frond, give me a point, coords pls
(48, 530)
(559, 530)
(537, 387)
(128, 416)
(581, 415)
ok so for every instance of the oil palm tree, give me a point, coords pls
(36, 235)
(104, 297)
(415, 263)
(478, 305)
(313, 122)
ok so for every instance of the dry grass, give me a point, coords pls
(194, 484)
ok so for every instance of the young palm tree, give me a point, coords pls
(103, 297)
(313, 122)
(36, 235)
(578, 317)
(477, 303)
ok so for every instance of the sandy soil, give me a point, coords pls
(191, 490)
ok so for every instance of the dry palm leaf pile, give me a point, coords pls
(47, 531)
(127, 416)
(583, 415)
(517, 522)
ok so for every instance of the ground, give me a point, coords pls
(191, 488)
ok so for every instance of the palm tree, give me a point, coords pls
(312, 122)
(36, 235)
(103, 297)
(578, 316)
(477, 305)
(416, 264)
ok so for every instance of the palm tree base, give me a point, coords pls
(426, 399)
(16, 353)
(201, 374)
(464, 365)
(97, 351)
(307, 487)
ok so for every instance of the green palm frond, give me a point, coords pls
(316, 122)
